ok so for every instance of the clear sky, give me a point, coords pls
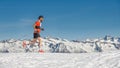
(70, 19)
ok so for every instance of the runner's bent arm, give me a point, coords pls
(34, 26)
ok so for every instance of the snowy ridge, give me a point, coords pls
(58, 45)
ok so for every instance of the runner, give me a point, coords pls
(36, 34)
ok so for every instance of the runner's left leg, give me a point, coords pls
(40, 45)
(40, 42)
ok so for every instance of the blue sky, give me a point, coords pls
(70, 19)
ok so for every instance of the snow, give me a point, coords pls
(60, 60)
(58, 45)
(61, 53)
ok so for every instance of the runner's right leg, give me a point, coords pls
(32, 42)
(24, 43)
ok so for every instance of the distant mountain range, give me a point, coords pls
(58, 45)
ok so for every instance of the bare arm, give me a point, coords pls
(34, 26)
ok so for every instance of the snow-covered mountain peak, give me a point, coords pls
(60, 45)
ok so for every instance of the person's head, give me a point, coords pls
(41, 18)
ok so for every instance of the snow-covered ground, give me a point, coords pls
(60, 60)
(61, 53)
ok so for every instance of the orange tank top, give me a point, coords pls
(37, 24)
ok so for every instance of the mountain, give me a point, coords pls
(58, 45)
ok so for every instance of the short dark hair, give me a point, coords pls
(40, 17)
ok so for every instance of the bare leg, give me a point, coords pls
(40, 45)
(32, 42)
(40, 42)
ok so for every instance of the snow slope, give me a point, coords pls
(58, 45)
(60, 60)
(62, 53)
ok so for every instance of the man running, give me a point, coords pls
(36, 34)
